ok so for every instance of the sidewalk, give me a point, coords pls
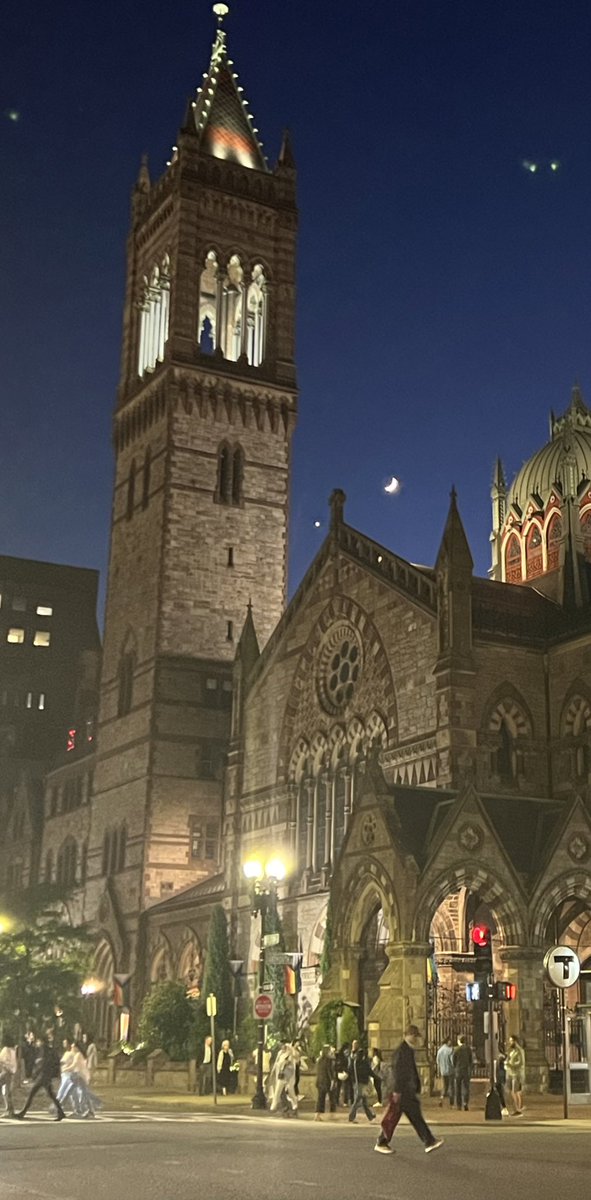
(545, 1108)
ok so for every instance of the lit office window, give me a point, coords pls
(42, 637)
(44, 610)
(16, 636)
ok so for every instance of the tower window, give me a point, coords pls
(44, 610)
(41, 701)
(208, 304)
(230, 556)
(230, 478)
(230, 631)
(154, 316)
(233, 311)
(42, 637)
(131, 491)
(19, 604)
(15, 636)
(256, 317)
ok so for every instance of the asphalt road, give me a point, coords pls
(190, 1157)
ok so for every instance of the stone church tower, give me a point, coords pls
(205, 411)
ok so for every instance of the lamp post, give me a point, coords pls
(263, 881)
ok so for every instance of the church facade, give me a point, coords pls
(416, 742)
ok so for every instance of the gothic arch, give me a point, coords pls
(161, 962)
(507, 702)
(575, 717)
(370, 885)
(576, 883)
(190, 958)
(493, 889)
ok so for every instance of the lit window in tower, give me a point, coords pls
(154, 317)
(256, 317)
(209, 300)
(233, 329)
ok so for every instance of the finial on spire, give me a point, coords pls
(221, 11)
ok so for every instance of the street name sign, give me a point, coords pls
(271, 939)
(562, 966)
(263, 1006)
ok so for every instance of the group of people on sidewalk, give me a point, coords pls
(454, 1068)
(63, 1079)
(226, 1069)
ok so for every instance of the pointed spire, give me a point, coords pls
(337, 508)
(248, 651)
(220, 112)
(286, 159)
(499, 481)
(143, 182)
(454, 546)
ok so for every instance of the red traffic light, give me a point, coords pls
(505, 990)
(481, 936)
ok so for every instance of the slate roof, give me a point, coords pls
(214, 886)
(222, 119)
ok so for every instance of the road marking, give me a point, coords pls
(304, 1183)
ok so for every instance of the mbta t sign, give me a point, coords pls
(263, 1006)
(562, 966)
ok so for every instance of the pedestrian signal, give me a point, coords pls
(505, 990)
(472, 991)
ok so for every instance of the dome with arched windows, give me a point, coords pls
(564, 461)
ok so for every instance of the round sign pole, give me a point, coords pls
(563, 968)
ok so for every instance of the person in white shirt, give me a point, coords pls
(8, 1064)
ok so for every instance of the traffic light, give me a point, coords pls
(481, 941)
(505, 990)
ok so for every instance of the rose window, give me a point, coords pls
(340, 667)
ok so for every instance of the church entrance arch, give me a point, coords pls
(447, 910)
(368, 926)
(373, 961)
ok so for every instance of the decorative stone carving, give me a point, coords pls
(469, 837)
(368, 830)
(578, 848)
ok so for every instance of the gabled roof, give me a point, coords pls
(223, 122)
(525, 826)
(415, 817)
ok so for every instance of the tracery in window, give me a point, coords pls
(256, 317)
(554, 538)
(154, 316)
(233, 310)
(208, 303)
(513, 560)
(534, 552)
(510, 728)
(576, 730)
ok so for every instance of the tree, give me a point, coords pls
(218, 976)
(283, 1023)
(170, 1021)
(43, 960)
(336, 1025)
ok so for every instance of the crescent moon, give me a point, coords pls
(393, 486)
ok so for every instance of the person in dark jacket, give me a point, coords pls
(463, 1060)
(360, 1076)
(46, 1069)
(404, 1099)
(325, 1077)
(342, 1072)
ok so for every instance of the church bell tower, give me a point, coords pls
(205, 411)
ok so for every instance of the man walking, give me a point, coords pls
(515, 1068)
(405, 1097)
(445, 1070)
(206, 1069)
(46, 1069)
(463, 1060)
(359, 1075)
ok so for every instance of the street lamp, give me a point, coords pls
(263, 894)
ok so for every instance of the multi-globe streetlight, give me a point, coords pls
(263, 882)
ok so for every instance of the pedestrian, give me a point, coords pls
(342, 1075)
(515, 1068)
(91, 1056)
(227, 1075)
(376, 1074)
(404, 1098)
(359, 1075)
(46, 1069)
(325, 1076)
(463, 1060)
(500, 1081)
(28, 1055)
(205, 1073)
(445, 1070)
(284, 1074)
(8, 1065)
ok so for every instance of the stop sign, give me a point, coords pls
(263, 1006)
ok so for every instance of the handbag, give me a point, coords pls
(342, 1075)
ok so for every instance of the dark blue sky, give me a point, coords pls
(444, 291)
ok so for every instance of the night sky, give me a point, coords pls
(444, 289)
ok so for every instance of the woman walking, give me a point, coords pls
(226, 1070)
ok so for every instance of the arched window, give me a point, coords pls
(586, 533)
(146, 478)
(48, 874)
(225, 467)
(131, 490)
(256, 317)
(154, 316)
(106, 853)
(237, 475)
(513, 560)
(554, 538)
(576, 730)
(122, 848)
(534, 553)
(509, 730)
(208, 301)
(66, 863)
(125, 690)
(233, 305)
